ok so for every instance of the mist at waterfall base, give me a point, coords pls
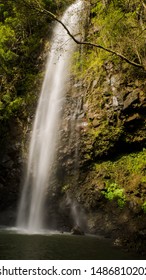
(15, 246)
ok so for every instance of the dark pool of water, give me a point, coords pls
(14, 246)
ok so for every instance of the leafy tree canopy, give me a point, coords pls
(22, 34)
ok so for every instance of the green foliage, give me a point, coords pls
(144, 207)
(1, 105)
(117, 25)
(135, 162)
(23, 31)
(15, 105)
(114, 192)
(65, 188)
(7, 40)
(128, 172)
(143, 179)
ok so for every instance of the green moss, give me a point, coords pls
(144, 207)
(124, 177)
(65, 188)
(1, 105)
(143, 179)
(104, 138)
(113, 191)
(134, 163)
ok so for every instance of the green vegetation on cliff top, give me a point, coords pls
(116, 25)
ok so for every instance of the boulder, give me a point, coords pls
(131, 99)
(77, 231)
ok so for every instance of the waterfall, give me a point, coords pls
(46, 124)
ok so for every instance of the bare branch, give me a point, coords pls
(54, 17)
(144, 5)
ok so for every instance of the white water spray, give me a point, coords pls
(44, 135)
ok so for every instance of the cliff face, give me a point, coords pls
(113, 151)
(106, 103)
(112, 158)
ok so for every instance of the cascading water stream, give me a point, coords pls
(44, 135)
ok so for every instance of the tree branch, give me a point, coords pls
(54, 17)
